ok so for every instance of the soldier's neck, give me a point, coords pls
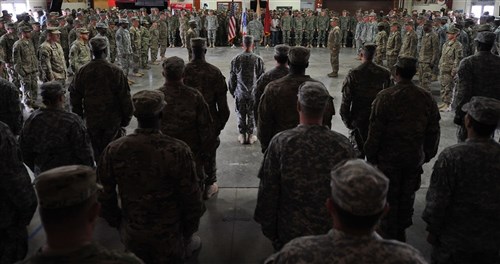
(296, 71)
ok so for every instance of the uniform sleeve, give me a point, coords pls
(205, 124)
(81, 144)
(45, 65)
(74, 53)
(376, 130)
(329, 113)
(458, 57)
(435, 48)
(261, 69)
(265, 125)
(398, 42)
(269, 192)
(27, 146)
(439, 195)
(76, 97)
(108, 197)
(463, 93)
(233, 78)
(432, 132)
(16, 59)
(221, 101)
(345, 107)
(127, 108)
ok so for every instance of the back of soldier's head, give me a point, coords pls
(173, 68)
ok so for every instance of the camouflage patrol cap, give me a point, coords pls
(174, 65)
(144, 22)
(395, 24)
(10, 26)
(134, 18)
(53, 30)
(453, 30)
(36, 23)
(409, 23)
(148, 103)
(406, 62)
(484, 110)
(198, 43)
(380, 24)
(82, 30)
(66, 186)
(487, 38)
(98, 43)
(359, 188)
(313, 95)
(54, 14)
(192, 21)
(484, 28)
(77, 22)
(334, 19)
(101, 25)
(95, 18)
(25, 29)
(299, 56)
(372, 14)
(123, 21)
(51, 89)
(281, 50)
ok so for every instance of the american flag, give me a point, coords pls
(243, 27)
(232, 24)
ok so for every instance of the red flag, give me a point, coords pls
(267, 21)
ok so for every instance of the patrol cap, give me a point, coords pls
(334, 19)
(82, 31)
(281, 50)
(248, 40)
(372, 14)
(95, 18)
(192, 22)
(53, 30)
(313, 95)
(483, 28)
(484, 110)
(98, 43)
(395, 24)
(101, 25)
(25, 29)
(66, 186)
(453, 30)
(487, 38)
(122, 21)
(174, 65)
(299, 56)
(380, 24)
(198, 43)
(144, 22)
(359, 188)
(148, 103)
(406, 62)
(409, 23)
(36, 23)
(54, 14)
(10, 26)
(134, 18)
(51, 89)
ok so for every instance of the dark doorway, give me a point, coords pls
(353, 5)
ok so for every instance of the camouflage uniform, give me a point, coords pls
(159, 211)
(255, 29)
(209, 80)
(154, 33)
(17, 199)
(45, 142)
(6, 45)
(334, 42)
(246, 69)
(10, 106)
(339, 247)
(358, 36)
(381, 42)
(463, 203)
(272, 75)
(310, 27)
(52, 62)
(190, 34)
(345, 24)
(145, 44)
(124, 48)
(361, 86)
(427, 58)
(409, 46)
(173, 25)
(135, 42)
(111, 96)
(79, 55)
(392, 49)
(111, 36)
(183, 28)
(286, 208)
(26, 65)
(211, 24)
(91, 253)
(323, 25)
(403, 134)
(451, 55)
(298, 28)
(278, 108)
(35, 38)
(64, 41)
(286, 26)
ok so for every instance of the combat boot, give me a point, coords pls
(252, 139)
(333, 75)
(241, 139)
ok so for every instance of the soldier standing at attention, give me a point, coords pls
(462, 200)
(410, 41)
(154, 33)
(403, 135)
(286, 26)
(284, 208)
(6, 44)
(111, 96)
(111, 36)
(102, 32)
(64, 38)
(173, 195)
(68, 208)
(357, 191)
(298, 28)
(451, 55)
(323, 24)
(345, 24)
(80, 51)
(17, 199)
(334, 42)
(72, 36)
(51, 58)
(246, 69)
(173, 25)
(145, 44)
(393, 46)
(135, 42)
(52, 137)
(256, 29)
(310, 27)
(211, 24)
(164, 33)
(183, 27)
(124, 47)
(381, 42)
(26, 65)
(361, 86)
(428, 56)
(191, 34)
(35, 36)
(209, 80)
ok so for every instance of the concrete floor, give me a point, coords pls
(227, 229)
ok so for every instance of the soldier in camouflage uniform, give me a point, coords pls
(154, 33)
(393, 46)
(462, 200)
(451, 55)
(191, 33)
(26, 65)
(278, 104)
(410, 41)
(183, 27)
(281, 70)
(310, 27)
(345, 25)
(419, 30)
(64, 38)
(102, 32)
(428, 56)
(111, 36)
(51, 58)
(350, 197)
(323, 25)
(403, 134)
(298, 28)
(361, 86)
(209, 80)
(381, 42)
(211, 24)
(92, 27)
(173, 25)
(52, 137)
(172, 196)
(334, 44)
(358, 35)
(68, 210)
(124, 46)
(6, 44)
(10, 105)
(35, 36)
(80, 51)
(285, 208)
(256, 29)
(111, 96)
(145, 44)
(72, 36)
(286, 27)
(135, 43)
(17, 199)
(163, 35)
(246, 69)
(477, 76)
